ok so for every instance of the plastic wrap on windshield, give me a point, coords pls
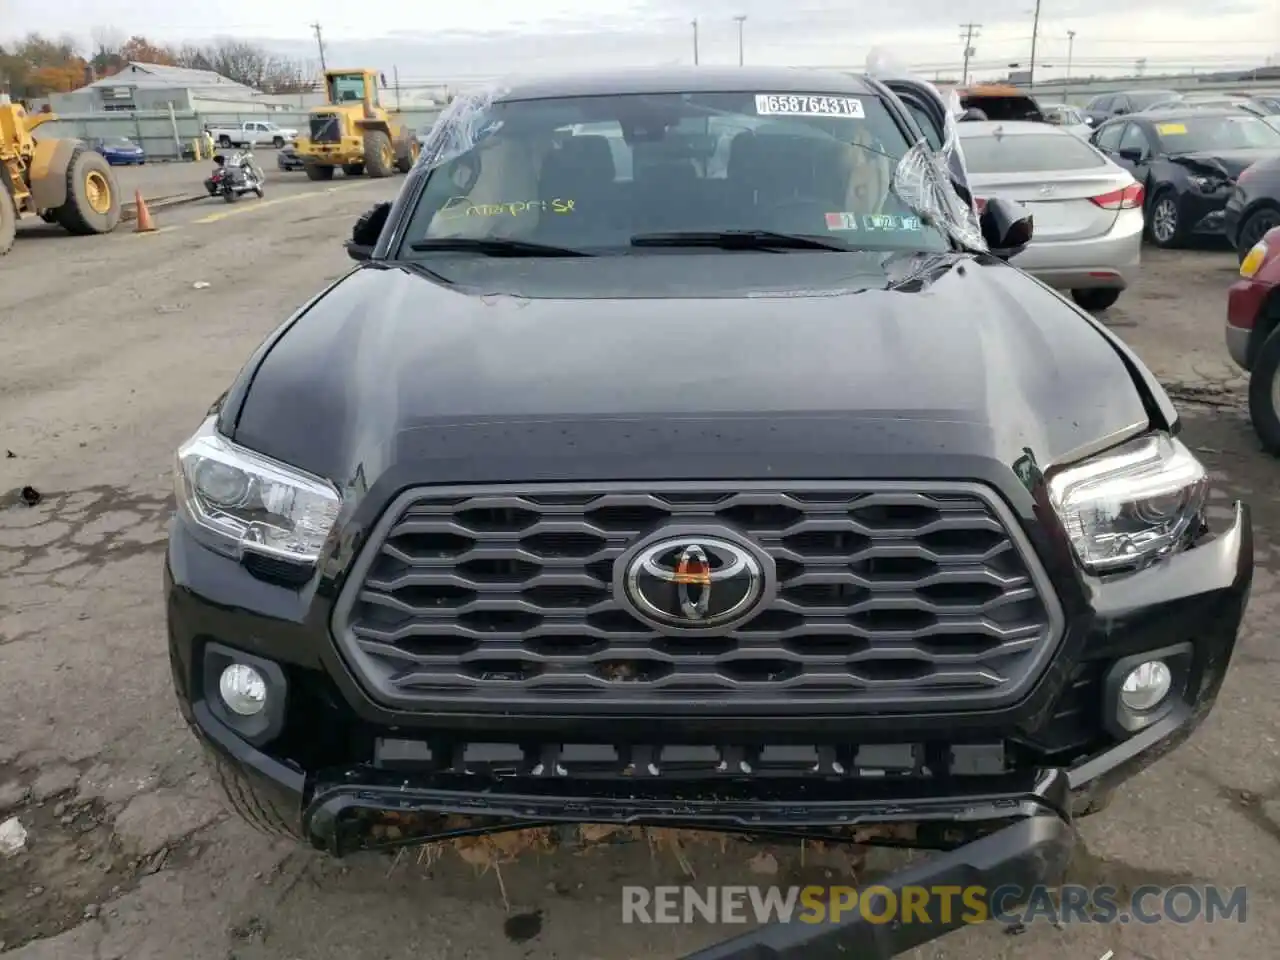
(463, 124)
(925, 177)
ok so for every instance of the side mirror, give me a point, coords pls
(1132, 154)
(1006, 227)
(364, 235)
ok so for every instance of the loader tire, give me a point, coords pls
(406, 162)
(8, 222)
(93, 199)
(379, 154)
(318, 171)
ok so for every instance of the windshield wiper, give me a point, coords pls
(736, 240)
(496, 247)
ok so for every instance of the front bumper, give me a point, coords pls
(1010, 827)
(347, 150)
(1205, 213)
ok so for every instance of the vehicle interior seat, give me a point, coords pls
(787, 181)
(581, 169)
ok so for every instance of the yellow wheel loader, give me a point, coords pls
(61, 181)
(353, 131)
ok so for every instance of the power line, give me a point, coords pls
(1035, 32)
(320, 44)
(970, 31)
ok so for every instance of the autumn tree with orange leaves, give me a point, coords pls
(37, 66)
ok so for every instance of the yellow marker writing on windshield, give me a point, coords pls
(1170, 129)
(459, 208)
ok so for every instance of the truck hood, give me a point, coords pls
(970, 367)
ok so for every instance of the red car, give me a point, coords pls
(1253, 334)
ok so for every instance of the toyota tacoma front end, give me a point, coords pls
(824, 525)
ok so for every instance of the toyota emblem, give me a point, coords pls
(694, 582)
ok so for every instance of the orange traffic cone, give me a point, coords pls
(144, 224)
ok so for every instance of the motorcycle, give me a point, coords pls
(235, 176)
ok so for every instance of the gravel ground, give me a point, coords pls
(111, 354)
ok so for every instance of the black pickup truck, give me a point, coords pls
(761, 500)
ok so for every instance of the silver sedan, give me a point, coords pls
(1087, 210)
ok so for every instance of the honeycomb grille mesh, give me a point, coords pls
(493, 599)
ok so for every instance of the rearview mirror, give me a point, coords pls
(1006, 227)
(364, 235)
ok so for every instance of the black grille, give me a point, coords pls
(889, 597)
(325, 128)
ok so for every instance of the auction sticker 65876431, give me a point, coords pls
(792, 105)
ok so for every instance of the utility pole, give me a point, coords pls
(1035, 33)
(395, 75)
(320, 44)
(1071, 46)
(695, 41)
(970, 31)
(741, 18)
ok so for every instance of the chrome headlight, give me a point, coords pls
(250, 503)
(1131, 505)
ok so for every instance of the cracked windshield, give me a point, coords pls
(646, 480)
(604, 173)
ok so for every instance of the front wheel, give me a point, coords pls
(379, 155)
(230, 196)
(1264, 393)
(1164, 223)
(224, 141)
(1256, 226)
(1095, 299)
(93, 201)
(277, 142)
(259, 191)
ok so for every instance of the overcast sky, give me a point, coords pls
(440, 40)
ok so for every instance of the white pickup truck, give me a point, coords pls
(253, 133)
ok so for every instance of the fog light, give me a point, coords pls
(1146, 685)
(244, 691)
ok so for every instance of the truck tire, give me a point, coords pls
(93, 200)
(224, 141)
(318, 171)
(406, 162)
(379, 155)
(277, 142)
(353, 169)
(8, 222)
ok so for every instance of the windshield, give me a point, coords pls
(346, 88)
(1028, 153)
(1197, 134)
(593, 173)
